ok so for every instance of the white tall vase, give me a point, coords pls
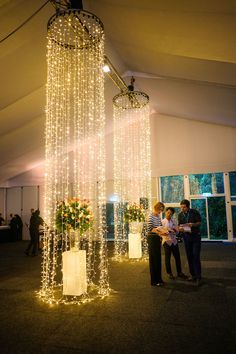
(135, 227)
(74, 236)
(74, 272)
(135, 242)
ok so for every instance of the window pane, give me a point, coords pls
(172, 189)
(232, 181)
(200, 205)
(234, 219)
(110, 220)
(212, 183)
(217, 218)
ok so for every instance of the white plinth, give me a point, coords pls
(74, 272)
(135, 246)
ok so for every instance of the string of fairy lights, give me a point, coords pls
(132, 161)
(75, 153)
(75, 147)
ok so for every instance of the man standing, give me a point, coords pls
(189, 224)
(35, 222)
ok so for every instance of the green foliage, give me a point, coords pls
(217, 218)
(200, 205)
(212, 183)
(134, 212)
(172, 189)
(74, 214)
(232, 180)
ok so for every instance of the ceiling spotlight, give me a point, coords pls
(106, 69)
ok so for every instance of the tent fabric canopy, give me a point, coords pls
(182, 55)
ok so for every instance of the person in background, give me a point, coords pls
(170, 244)
(189, 221)
(154, 244)
(13, 227)
(19, 224)
(2, 221)
(10, 216)
(31, 213)
(35, 222)
(16, 226)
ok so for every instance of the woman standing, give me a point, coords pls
(154, 244)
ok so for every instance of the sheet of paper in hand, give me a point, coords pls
(163, 230)
(186, 228)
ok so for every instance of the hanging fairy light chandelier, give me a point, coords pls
(132, 160)
(75, 202)
(131, 99)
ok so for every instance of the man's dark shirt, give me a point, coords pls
(35, 221)
(192, 216)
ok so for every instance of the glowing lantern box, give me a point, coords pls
(135, 246)
(74, 272)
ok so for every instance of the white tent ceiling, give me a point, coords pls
(182, 54)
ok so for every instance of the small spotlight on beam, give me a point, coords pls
(106, 69)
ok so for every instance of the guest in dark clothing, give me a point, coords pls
(31, 212)
(16, 226)
(2, 221)
(19, 227)
(35, 222)
(189, 224)
(154, 244)
(13, 227)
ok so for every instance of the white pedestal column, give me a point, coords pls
(74, 272)
(135, 246)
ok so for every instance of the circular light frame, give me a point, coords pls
(76, 21)
(135, 99)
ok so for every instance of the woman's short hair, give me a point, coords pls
(159, 206)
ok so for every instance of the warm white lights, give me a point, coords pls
(132, 160)
(75, 149)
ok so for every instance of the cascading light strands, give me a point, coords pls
(132, 161)
(75, 148)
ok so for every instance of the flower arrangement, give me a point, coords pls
(74, 214)
(134, 212)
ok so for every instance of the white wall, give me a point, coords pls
(13, 201)
(33, 177)
(19, 200)
(30, 199)
(183, 146)
(179, 146)
(2, 202)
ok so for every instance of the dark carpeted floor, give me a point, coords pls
(136, 318)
